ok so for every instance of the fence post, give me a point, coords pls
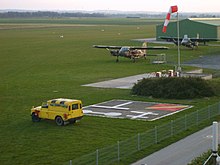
(71, 162)
(138, 141)
(155, 131)
(171, 128)
(118, 151)
(97, 157)
(215, 141)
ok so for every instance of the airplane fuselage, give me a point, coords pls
(187, 43)
(128, 53)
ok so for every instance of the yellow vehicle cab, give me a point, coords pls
(61, 110)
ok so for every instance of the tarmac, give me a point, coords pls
(121, 83)
(209, 62)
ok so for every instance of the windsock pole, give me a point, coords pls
(173, 9)
(178, 38)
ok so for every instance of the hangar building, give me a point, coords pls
(193, 27)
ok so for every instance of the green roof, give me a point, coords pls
(211, 21)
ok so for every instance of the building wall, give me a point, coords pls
(191, 28)
(218, 31)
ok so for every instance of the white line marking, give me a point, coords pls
(120, 105)
(113, 107)
(112, 114)
(108, 107)
(143, 115)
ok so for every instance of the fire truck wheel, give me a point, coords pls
(59, 121)
(35, 117)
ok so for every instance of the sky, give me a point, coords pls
(120, 5)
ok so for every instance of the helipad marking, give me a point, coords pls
(167, 107)
(142, 115)
(111, 114)
(113, 107)
(149, 111)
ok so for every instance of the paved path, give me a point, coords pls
(122, 83)
(181, 152)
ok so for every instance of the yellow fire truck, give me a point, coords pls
(63, 111)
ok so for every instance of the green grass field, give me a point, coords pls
(37, 64)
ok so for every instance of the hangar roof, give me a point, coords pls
(211, 21)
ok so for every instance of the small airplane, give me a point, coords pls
(188, 42)
(131, 52)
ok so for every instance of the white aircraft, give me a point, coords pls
(188, 42)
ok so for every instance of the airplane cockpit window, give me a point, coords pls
(124, 49)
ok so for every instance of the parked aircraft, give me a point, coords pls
(131, 52)
(188, 42)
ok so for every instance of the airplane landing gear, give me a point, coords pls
(117, 60)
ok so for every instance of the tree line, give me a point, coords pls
(53, 14)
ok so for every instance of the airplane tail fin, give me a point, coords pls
(185, 39)
(185, 36)
(144, 45)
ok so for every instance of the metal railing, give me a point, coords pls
(122, 149)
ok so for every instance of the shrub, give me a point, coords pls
(173, 88)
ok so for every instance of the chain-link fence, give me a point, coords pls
(122, 149)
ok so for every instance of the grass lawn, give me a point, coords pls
(37, 65)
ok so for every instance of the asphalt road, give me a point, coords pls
(181, 152)
(210, 62)
(121, 83)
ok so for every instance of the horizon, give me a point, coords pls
(100, 11)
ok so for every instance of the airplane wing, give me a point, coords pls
(129, 47)
(169, 39)
(107, 47)
(149, 48)
(203, 39)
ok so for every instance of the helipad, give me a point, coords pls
(148, 111)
